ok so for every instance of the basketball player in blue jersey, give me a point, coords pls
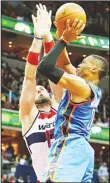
(71, 157)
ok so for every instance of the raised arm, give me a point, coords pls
(48, 43)
(57, 90)
(63, 61)
(47, 67)
(27, 97)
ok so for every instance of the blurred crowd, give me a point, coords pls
(22, 10)
(11, 80)
(10, 162)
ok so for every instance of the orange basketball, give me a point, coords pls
(68, 11)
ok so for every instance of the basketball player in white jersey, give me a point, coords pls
(37, 109)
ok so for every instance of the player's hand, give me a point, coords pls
(72, 32)
(42, 23)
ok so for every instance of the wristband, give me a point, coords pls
(33, 58)
(40, 38)
(48, 46)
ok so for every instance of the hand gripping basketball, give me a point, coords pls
(72, 32)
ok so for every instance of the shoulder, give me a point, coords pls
(28, 120)
(95, 89)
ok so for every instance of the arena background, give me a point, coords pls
(16, 37)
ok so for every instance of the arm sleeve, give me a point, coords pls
(47, 65)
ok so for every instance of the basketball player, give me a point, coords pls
(71, 158)
(37, 109)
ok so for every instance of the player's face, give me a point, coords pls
(42, 95)
(85, 68)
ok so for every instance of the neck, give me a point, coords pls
(44, 107)
(94, 81)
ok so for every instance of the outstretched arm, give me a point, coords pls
(27, 97)
(63, 61)
(47, 67)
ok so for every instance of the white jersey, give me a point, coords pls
(39, 138)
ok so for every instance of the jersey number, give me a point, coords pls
(49, 135)
(91, 120)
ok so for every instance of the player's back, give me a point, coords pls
(38, 139)
(77, 118)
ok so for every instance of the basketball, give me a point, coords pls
(68, 11)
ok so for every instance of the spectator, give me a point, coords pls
(17, 159)
(3, 98)
(103, 173)
(95, 177)
(99, 121)
(13, 15)
(8, 104)
(4, 179)
(14, 85)
(20, 180)
(10, 151)
(12, 179)
(28, 179)
(95, 121)
(107, 122)
(21, 18)
(23, 160)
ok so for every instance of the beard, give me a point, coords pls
(42, 100)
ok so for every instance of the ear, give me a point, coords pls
(94, 70)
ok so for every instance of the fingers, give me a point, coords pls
(42, 10)
(41, 7)
(33, 18)
(38, 14)
(80, 29)
(68, 24)
(44, 7)
(50, 14)
(78, 24)
(38, 7)
(75, 23)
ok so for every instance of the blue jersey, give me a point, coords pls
(75, 118)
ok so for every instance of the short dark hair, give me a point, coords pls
(104, 66)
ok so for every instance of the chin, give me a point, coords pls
(42, 100)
